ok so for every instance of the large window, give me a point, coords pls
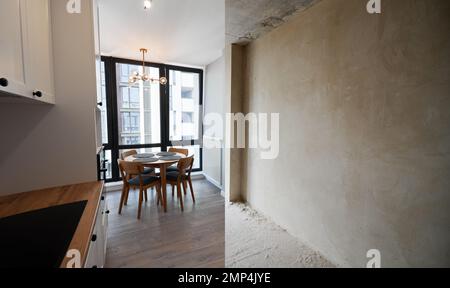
(149, 116)
(185, 99)
(103, 107)
(138, 107)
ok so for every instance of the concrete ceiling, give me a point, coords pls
(247, 20)
(187, 32)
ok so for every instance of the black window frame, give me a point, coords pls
(113, 144)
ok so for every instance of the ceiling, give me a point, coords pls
(187, 32)
(247, 20)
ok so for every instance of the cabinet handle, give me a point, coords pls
(94, 238)
(4, 82)
(106, 212)
(37, 94)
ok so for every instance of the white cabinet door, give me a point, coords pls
(97, 248)
(91, 259)
(102, 225)
(104, 235)
(26, 59)
(100, 241)
(38, 49)
(12, 65)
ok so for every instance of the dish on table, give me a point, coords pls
(146, 160)
(144, 155)
(166, 154)
(170, 158)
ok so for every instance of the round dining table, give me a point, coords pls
(162, 165)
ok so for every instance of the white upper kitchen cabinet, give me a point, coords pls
(12, 66)
(26, 60)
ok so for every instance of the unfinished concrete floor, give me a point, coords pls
(252, 241)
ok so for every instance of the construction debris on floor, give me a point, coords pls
(253, 241)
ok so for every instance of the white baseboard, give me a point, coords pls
(197, 176)
(113, 186)
(213, 181)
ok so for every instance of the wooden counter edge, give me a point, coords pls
(82, 240)
(40, 199)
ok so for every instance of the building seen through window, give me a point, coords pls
(184, 106)
(138, 107)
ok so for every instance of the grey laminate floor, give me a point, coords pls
(195, 238)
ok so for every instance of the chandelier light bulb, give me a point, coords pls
(163, 80)
(147, 4)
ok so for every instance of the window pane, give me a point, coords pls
(125, 97)
(188, 117)
(194, 150)
(138, 107)
(103, 108)
(124, 72)
(125, 122)
(108, 164)
(134, 97)
(186, 93)
(184, 108)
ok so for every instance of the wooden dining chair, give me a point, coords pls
(182, 151)
(174, 168)
(126, 154)
(179, 178)
(189, 179)
(128, 171)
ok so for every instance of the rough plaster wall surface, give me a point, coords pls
(365, 130)
(247, 20)
(235, 63)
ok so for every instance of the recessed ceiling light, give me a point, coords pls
(147, 4)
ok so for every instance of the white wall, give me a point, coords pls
(214, 102)
(44, 146)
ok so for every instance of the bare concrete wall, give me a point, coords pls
(234, 70)
(45, 146)
(249, 20)
(365, 130)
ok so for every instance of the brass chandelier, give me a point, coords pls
(136, 76)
